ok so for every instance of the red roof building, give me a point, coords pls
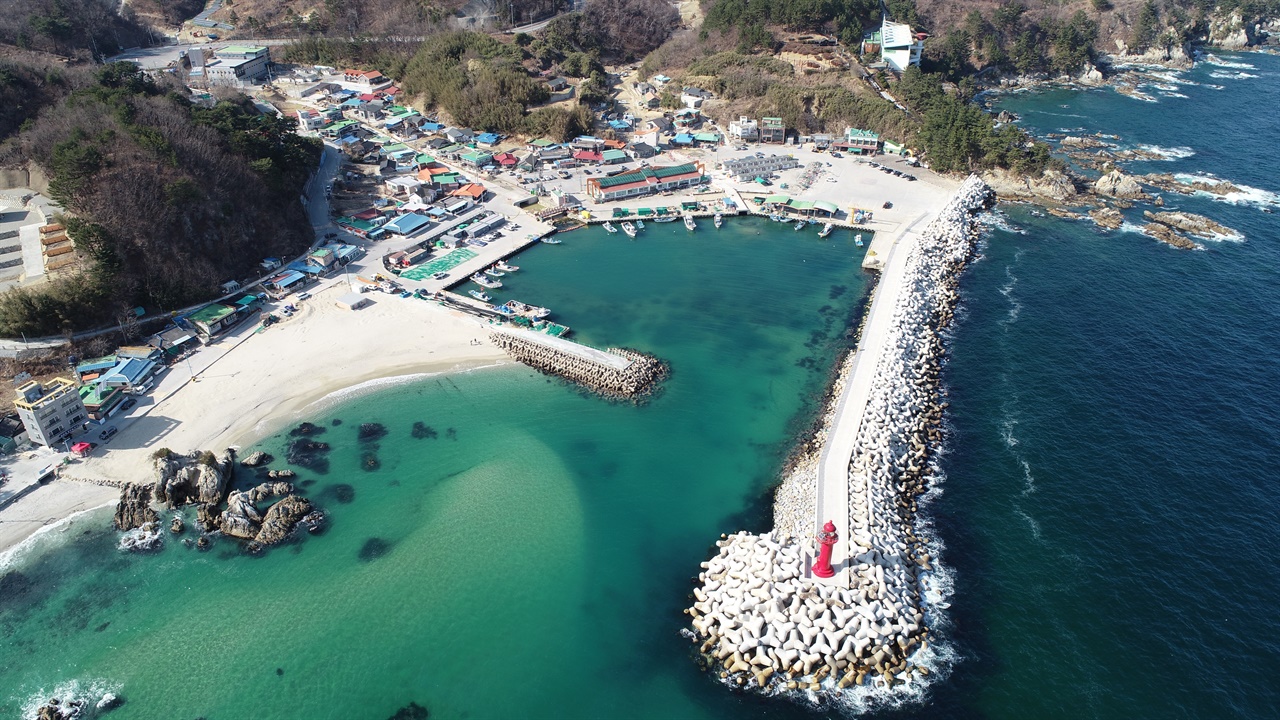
(588, 156)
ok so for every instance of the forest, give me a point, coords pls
(166, 200)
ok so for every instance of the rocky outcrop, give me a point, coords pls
(1166, 234)
(1118, 185)
(257, 458)
(1231, 32)
(1091, 75)
(134, 508)
(241, 518)
(1197, 225)
(1174, 55)
(1168, 182)
(1050, 185)
(1106, 217)
(195, 478)
(282, 518)
(1085, 143)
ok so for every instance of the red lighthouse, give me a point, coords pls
(827, 539)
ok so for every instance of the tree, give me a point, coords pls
(1145, 27)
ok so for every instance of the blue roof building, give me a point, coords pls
(407, 224)
(683, 139)
(488, 139)
(432, 126)
(129, 373)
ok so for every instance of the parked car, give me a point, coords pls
(304, 295)
(439, 275)
(127, 404)
(107, 434)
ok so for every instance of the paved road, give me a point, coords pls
(202, 19)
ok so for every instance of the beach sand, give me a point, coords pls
(250, 384)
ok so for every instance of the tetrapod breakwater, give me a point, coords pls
(762, 618)
(618, 373)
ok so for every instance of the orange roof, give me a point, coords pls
(471, 190)
(615, 144)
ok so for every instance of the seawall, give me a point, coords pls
(760, 617)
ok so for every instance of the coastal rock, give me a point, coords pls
(1005, 116)
(1050, 185)
(1231, 32)
(1091, 75)
(1108, 218)
(1086, 143)
(256, 458)
(1166, 234)
(1117, 184)
(282, 518)
(134, 508)
(200, 477)
(268, 490)
(241, 518)
(1197, 225)
(1168, 182)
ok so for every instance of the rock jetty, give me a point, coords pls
(760, 618)
(615, 372)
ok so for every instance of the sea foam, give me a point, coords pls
(1174, 153)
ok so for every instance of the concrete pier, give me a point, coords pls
(616, 372)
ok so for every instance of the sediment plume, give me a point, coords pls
(760, 618)
(615, 372)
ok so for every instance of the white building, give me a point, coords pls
(744, 128)
(231, 65)
(50, 414)
(899, 47)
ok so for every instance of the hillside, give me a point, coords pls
(165, 200)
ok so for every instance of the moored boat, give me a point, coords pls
(551, 241)
(629, 229)
(515, 307)
(609, 228)
(480, 295)
(857, 239)
(486, 282)
(689, 223)
(718, 220)
(826, 230)
(639, 224)
(493, 272)
(800, 225)
(505, 267)
(665, 219)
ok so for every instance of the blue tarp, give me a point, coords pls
(406, 224)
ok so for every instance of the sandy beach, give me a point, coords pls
(249, 384)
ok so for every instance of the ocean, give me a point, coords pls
(1108, 511)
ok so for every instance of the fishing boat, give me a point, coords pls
(718, 220)
(629, 229)
(777, 218)
(480, 295)
(515, 307)
(800, 225)
(857, 239)
(665, 219)
(826, 230)
(609, 228)
(639, 224)
(550, 241)
(689, 223)
(504, 267)
(493, 272)
(486, 282)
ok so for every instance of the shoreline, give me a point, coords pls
(249, 388)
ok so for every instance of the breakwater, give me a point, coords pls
(615, 372)
(761, 617)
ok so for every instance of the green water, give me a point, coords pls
(536, 553)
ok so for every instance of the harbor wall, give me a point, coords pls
(616, 372)
(760, 618)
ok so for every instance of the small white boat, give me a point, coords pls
(857, 239)
(609, 228)
(486, 282)
(689, 223)
(494, 272)
(800, 225)
(826, 230)
(480, 295)
(629, 229)
(550, 241)
(639, 224)
(665, 219)
(504, 267)
(718, 220)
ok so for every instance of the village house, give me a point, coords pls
(692, 97)
(50, 414)
(659, 125)
(557, 84)
(860, 142)
(369, 79)
(744, 129)
(773, 130)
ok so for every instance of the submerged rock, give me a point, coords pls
(307, 429)
(369, 461)
(341, 492)
(374, 548)
(423, 431)
(1166, 234)
(412, 711)
(372, 431)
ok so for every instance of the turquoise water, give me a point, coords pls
(530, 560)
(1109, 510)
